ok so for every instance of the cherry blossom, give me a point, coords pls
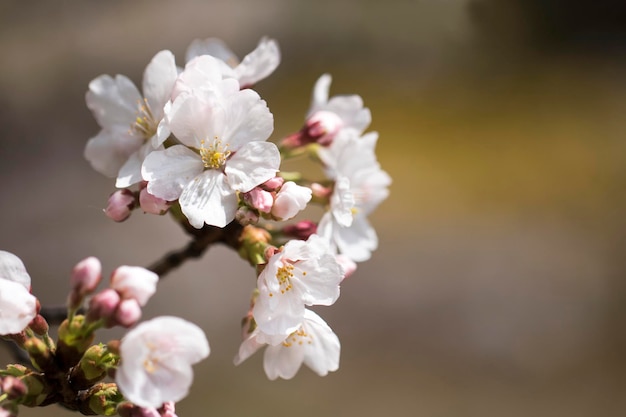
(360, 186)
(254, 67)
(303, 273)
(223, 152)
(156, 360)
(128, 120)
(312, 343)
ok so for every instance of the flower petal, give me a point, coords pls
(259, 63)
(246, 119)
(209, 199)
(283, 362)
(322, 354)
(170, 170)
(113, 101)
(320, 93)
(253, 164)
(12, 268)
(109, 150)
(17, 307)
(158, 82)
(211, 46)
(194, 118)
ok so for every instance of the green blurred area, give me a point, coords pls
(498, 288)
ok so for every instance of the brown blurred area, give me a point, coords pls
(499, 285)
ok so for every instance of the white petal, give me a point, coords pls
(17, 307)
(113, 101)
(209, 199)
(108, 151)
(170, 170)
(350, 109)
(283, 362)
(253, 164)
(194, 118)
(134, 282)
(247, 348)
(279, 314)
(12, 268)
(322, 354)
(320, 93)
(211, 46)
(342, 202)
(259, 63)
(246, 119)
(205, 73)
(320, 285)
(358, 241)
(158, 82)
(130, 172)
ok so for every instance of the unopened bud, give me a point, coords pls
(151, 204)
(104, 399)
(273, 184)
(13, 387)
(321, 193)
(323, 126)
(128, 313)
(39, 325)
(259, 199)
(301, 230)
(120, 205)
(40, 355)
(102, 306)
(86, 275)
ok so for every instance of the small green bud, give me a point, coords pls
(40, 355)
(104, 399)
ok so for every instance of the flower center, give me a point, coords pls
(298, 337)
(214, 156)
(144, 125)
(284, 275)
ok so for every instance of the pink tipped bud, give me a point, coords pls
(259, 199)
(128, 313)
(103, 306)
(121, 204)
(86, 276)
(323, 126)
(168, 409)
(13, 387)
(301, 230)
(320, 192)
(347, 265)
(151, 204)
(39, 325)
(273, 184)
(245, 215)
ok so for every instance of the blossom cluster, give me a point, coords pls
(194, 144)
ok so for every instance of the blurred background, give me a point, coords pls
(499, 287)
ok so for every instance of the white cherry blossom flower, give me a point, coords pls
(228, 133)
(360, 186)
(254, 67)
(128, 120)
(303, 273)
(290, 199)
(156, 360)
(17, 304)
(312, 343)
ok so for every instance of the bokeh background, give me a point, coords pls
(499, 285)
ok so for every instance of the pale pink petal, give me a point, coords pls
(17, 307)
(252, 165)
(358, 241)
(170, 170)
(259, 63)
(211, 46)
(113, 101)
(109, 150)
(246, 119)
(281, 361)
(322, 354)
(209, 199)
(320, 94)
(12, 268)
(158, 82)
(194, 119)
(291, 199)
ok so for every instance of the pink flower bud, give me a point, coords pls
(323, 126)
(120, 205)
(273, 184)
(168, 409)
(301, 230)
(128, 313)
(39, 325)
(290, 200)
(151, 204)
(103, 306)
(259, 199)
(134, 282)
(320, 192)
(13, 387)
(86, 276)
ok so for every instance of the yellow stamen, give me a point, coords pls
(214, 156)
